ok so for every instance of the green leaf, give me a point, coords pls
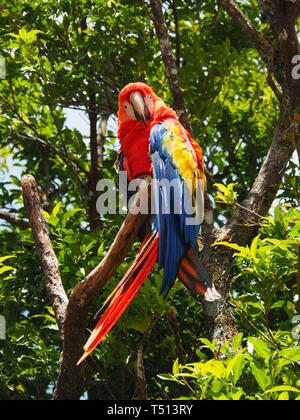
(50, 310)
(68, 215)
(46, 317)
(261, 375)
(222, 397)
(236, 395)
(101, 249)
(236, 342)
(176, 367)
(236, 366)
(279, 304)
(46, 214)
(253, 249)
(215, 367)
(284, 396)
(221, 187)
(210, 345)
(229, 195)
(5, 269)
(291, 353)
(28, 36)
(260, 347)
(56, 209)
(217, 385)
(2, 259)
(283, 388)
(230, 245)
(53, 221)
(244, 252)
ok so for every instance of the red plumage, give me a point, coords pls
(135, 137)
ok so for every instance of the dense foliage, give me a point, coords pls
(63, 55)
(263, 360)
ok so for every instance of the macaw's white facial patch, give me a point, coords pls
(149, 100)
(129, 111)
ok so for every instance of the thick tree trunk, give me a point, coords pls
(219, 260)
(242, 227)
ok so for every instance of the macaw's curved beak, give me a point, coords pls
(140, 108)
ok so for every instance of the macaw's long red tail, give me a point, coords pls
(195, 278)
(121, 297)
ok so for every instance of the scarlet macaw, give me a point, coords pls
(153, 142)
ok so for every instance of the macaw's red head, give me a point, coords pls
(138, 102)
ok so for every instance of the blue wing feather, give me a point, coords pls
(175, 236)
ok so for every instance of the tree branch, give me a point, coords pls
(71, 377)
(14, 220)
(94, 174)
(263, 46)
(49, 262)
(101, 135)
(286, 14)
(172, 321)
(176, 21)
(169, 59)
(141, 382)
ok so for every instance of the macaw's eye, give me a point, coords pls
(125, 107)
